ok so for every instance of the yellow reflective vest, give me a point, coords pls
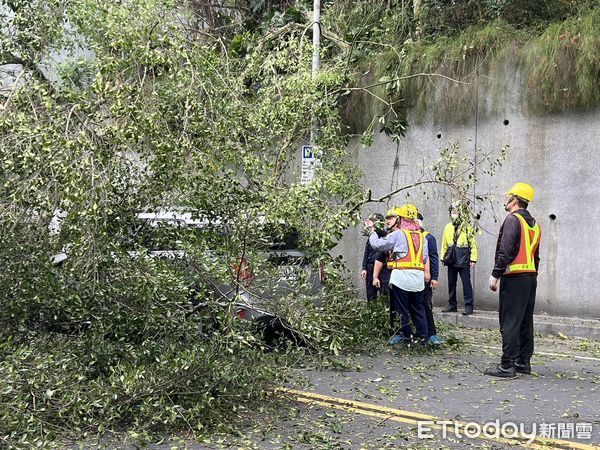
(466, 244)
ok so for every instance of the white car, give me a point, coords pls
(157, 235)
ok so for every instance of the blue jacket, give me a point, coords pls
(434, 259)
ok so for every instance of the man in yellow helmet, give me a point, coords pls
(409, 261)
(515, 272)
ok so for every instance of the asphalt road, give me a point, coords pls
(383, 400)
(395, 388)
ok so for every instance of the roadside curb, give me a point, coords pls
(553, 325)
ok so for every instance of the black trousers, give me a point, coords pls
(372, 291)
(517, 300)
(465, 276)
(428, 306)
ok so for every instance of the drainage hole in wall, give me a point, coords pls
(439, 136)
(506, 122)
(552, 216)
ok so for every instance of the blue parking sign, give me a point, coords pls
(307, 152)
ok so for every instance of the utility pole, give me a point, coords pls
(316, 37)
(316, 59)
(310, 157)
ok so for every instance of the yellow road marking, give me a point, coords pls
(412, 418)
(387, 417)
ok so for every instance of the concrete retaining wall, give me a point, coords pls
(557, 154)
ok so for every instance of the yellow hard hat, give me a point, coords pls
(392, 212)
(522, 190)
(408, 211)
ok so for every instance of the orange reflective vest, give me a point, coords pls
(530, 240)
(413, 258)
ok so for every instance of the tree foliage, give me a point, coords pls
(112, 108)
(476, 42)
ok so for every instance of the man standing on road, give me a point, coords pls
(434, 265)
(515, 271)
(459, 255)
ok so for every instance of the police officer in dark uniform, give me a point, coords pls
(515, 272)
(368, 263)
(434, 259)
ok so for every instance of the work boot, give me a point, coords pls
(522, 367)
(449, 308)
(504, 370)
(467, 312)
